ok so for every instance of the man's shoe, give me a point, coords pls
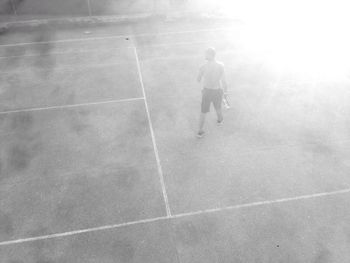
(200, 134)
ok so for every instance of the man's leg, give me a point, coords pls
(204, 110)
(219, 115)
(201, 122)
(217, 106)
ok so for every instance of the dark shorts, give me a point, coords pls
(211, 96)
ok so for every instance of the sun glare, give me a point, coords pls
(304, 36)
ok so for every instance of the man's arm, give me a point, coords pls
(223, 80)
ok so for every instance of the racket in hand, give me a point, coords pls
(225, 101)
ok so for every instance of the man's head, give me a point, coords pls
(210, 54)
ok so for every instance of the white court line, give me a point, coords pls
(196, 56)
(82, 231)
(182, 215)
(118, 48)
(89, 7)
(73, 67)
(66, 52)
(70, 106)
(114, 37)
(261, 203)
(66, 68)
(160, 171)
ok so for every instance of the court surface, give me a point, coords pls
(99, 160)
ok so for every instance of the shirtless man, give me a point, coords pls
(212, 76)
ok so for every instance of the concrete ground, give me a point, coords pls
(99, 160)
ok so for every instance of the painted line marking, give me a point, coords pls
(72, 67)
(117, 48)
(261, 203)
(160, 171)
(70, 106)
(115, 37)
(82, 231)
(67, 52)
(182, 215)
(89, 7)
(66, 68)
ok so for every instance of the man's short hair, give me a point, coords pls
(210, 52)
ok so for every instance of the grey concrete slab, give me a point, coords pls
(51, 42)
(180, 65)
(123, 7)
(145, 243)
(107, 28)
(187, 42)
(314, 230)
(51, 59)
(39, 9)
(256, 108)
(6, 10)
(68, 169)
(282, 138)
(278, 140)
(222, 174)
(69, 85)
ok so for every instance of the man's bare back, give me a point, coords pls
(211, 74)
